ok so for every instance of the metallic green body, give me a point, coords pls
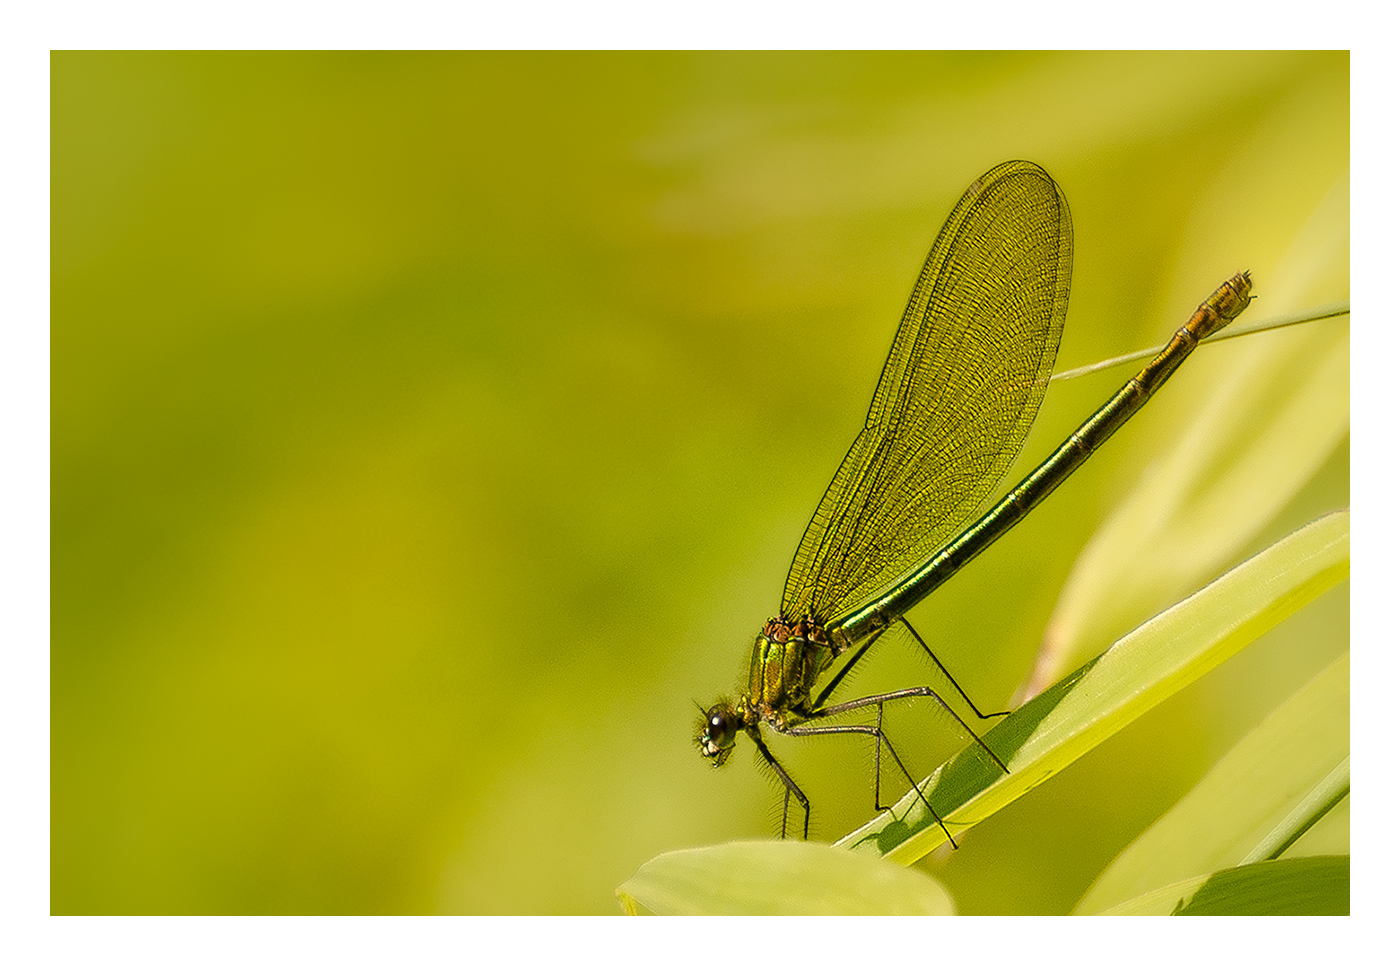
(784, 668)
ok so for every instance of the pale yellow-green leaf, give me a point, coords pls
(1137, 673)
(1258, 798)
(781, 879)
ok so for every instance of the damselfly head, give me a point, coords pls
(718, 729)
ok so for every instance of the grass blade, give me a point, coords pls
(1259, 798)
(1135, 674)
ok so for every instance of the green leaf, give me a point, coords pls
(1314, 886)
(1135, 674)
(781, 879)
(1257, 800)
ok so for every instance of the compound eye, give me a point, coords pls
(721, 725)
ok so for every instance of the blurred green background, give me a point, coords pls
(431, 432)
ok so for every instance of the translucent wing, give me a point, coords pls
(957, 396)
